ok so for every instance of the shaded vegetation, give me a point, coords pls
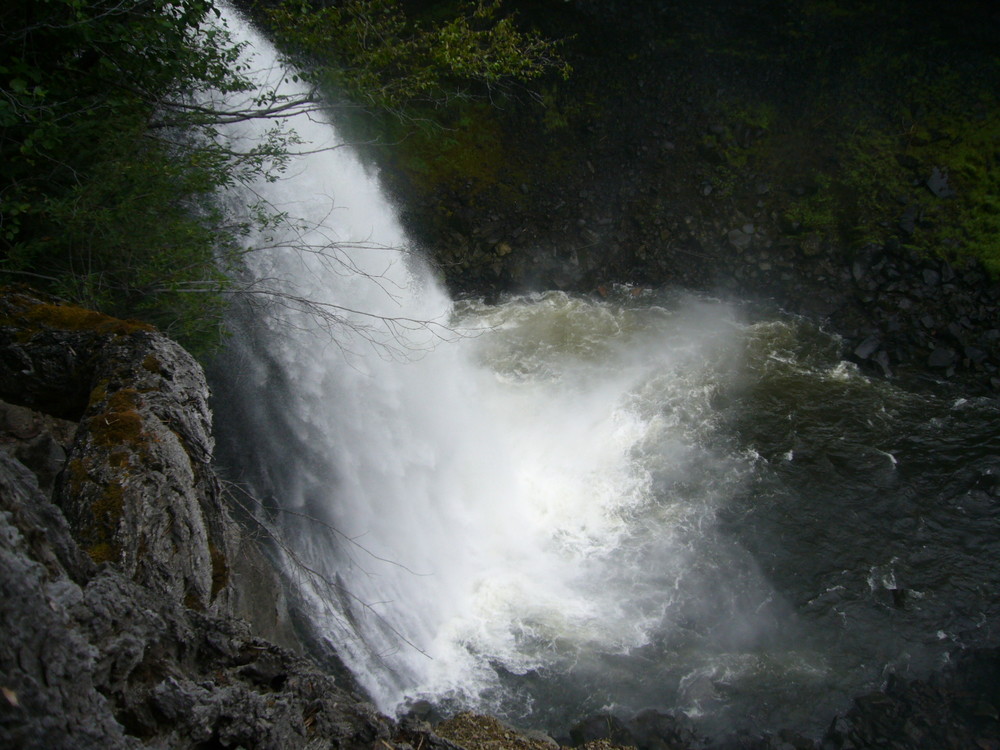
(819, 123)
(922, 173)
(378, 53)
(108, 171)
(891, 135)
(436, 89)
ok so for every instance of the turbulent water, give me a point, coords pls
(557, 505)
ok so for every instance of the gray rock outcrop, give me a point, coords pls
(138, 488)
(92, 659)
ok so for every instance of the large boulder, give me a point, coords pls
(92, 659)
(138, 488)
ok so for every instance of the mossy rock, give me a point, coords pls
(69, 318)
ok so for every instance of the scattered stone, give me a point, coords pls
(477, 732)
(811, 245)
(881, 358)
(739, 239)
(942, 357)
(937, 183)
(601, 727)
(867, 348)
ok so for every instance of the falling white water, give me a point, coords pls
(529, 491)
(555, 506)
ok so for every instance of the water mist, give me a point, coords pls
(527, 508)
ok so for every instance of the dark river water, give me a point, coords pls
(787, 531)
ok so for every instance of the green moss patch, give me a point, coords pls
(151, 364)
(220, 569)
(102, 552)
(69, 318)
(467, 150)
(107, 511)
(120, 424)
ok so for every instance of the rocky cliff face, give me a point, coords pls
(91, 658)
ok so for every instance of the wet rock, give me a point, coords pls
(942, 357)
(739, 239)
(908, 219)
(867, 348)
(859, 270)
(919, 715)
(601, 727)
(937, 183)
(975, 354)
(899, 597)
(656, 730)
(881, 358)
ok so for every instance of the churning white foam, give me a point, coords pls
(514, 499)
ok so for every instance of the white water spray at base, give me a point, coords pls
(534, 499)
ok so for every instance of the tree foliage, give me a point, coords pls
(109, 169)
(377, 53)
(112, 172)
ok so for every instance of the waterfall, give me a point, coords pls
(558, 505)
(476, 493)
